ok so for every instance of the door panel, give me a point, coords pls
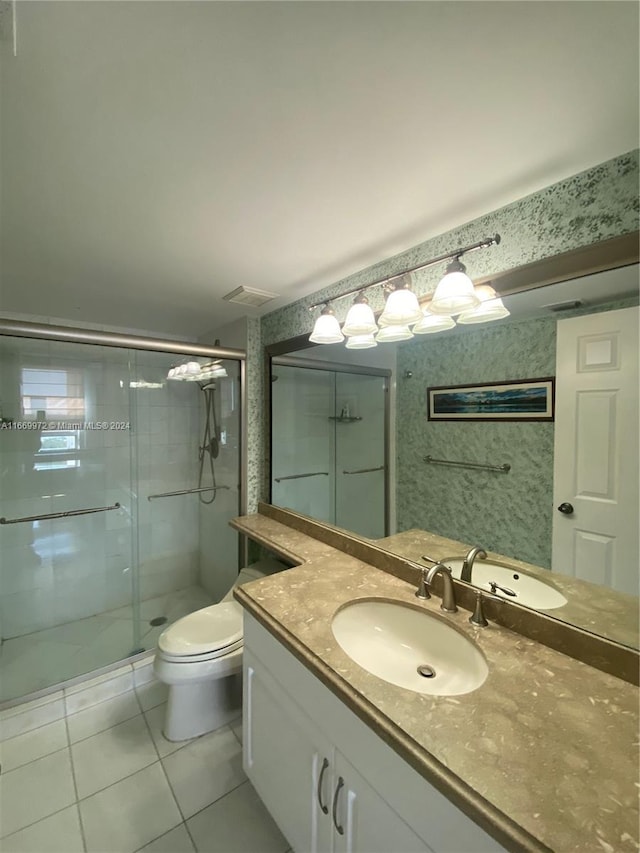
(284, 757)
(596, 449)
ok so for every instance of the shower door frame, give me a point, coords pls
(70, 334)
(333, 367)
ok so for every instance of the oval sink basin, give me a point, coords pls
(528, 590)
(409, 647)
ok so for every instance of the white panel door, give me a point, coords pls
(595, 527)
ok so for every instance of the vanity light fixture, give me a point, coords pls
(360, 319)
(361, 342)
(490, 308)
(455, 294)
(327, 328)
(193, 371)
(431, 323)
(401, 308)
(391, 334)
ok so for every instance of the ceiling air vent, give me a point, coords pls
(249, 296)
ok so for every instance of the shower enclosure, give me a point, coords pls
(329, 443)
(120, 467)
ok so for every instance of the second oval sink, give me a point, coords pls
(526, 589)
(409, 647)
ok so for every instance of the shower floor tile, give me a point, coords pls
(36, 661)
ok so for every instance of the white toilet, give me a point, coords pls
(200, 658)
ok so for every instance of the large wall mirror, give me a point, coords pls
(365, 442)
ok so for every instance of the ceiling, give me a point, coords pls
(157, 155)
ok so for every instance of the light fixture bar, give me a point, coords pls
(458, 253)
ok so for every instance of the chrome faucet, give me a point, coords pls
(468, 562)
(448, 592)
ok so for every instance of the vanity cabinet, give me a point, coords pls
(302, 746)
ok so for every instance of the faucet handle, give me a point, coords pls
(423, 589)
(478, 618)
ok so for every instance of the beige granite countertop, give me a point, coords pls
(610, 614)
(543, 755)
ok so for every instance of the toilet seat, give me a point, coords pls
(212, 654)
(204, 634)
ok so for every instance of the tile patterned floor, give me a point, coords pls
(87, 770)
(36, 661)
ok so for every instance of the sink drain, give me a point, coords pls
(159, 620)
(426, 671)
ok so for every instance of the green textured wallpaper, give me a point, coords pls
(509, 513)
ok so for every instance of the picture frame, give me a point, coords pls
(521, 400)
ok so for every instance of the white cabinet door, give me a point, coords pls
(288, 761)
(363, 821)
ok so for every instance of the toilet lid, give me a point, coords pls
(215, 627)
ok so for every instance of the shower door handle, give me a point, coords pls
(67, 514)
(187, 492)
(300, 476)
(365, 470)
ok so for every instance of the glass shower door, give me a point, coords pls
(187, 447)
(66, 540)
(328, 446)
(360, 469)
(303, 441)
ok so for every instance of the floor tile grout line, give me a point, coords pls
(117, 782)
(75, 783)
(6, 773)
(4, 838)
(35, 728)
(166, 775)
(218, 800)
(102, 731)
(158, 837)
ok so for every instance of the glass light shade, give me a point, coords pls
(361, 342)
(326, 329)
(360, 320)
(432, 323)
(455, 292)
(492, 309)
(389, 334)
(401, 308)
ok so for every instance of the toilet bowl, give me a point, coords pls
(200, 658)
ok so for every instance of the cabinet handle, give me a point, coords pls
(325, 764)
(335, 806)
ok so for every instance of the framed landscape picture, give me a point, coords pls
(524, 400)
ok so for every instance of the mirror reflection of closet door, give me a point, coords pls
(360, 468)
(302, 441)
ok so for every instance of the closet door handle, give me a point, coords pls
(334, 811)
(325, 764)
